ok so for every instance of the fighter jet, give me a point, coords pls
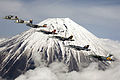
(79, 47)
(64, 38)
(30, 24)
(48, 32)
(34, 25)
(11, 17)
(102, 58)
(22, 21)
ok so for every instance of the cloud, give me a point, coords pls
(112, 47)
(38, 74)
(44, 73)
(58, 71)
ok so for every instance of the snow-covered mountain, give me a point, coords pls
(34, 48)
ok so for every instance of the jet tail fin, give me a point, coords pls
(70, 37)
(110, 55)
(54, 31)
(86, 46)
(31, 21)
(45, 25)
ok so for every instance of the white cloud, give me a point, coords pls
(38, 74)
(112, 47)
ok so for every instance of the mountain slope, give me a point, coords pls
(34, 48)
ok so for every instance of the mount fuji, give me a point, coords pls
(33, 48)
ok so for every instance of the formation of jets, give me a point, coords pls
(70, 38)
(28, 23)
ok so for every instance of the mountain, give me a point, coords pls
(34, 48)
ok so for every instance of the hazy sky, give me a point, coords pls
(101, 17)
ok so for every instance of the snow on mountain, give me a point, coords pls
(33, 48)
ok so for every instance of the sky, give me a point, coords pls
(101, 17)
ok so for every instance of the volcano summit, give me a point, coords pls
(34, 48)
